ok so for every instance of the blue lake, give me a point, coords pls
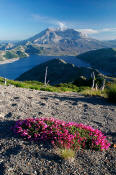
(15, 69)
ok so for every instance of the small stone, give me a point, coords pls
(2, 115)
(8, 115)
(10, 169)
(1, 161)
(80, 104)
(16, 98)
(40, 113)
(14, 104)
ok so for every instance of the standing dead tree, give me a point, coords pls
(93, 80)
(98, 83)
(103, 85)
(45, 79)
(5, 81)
(96, 86)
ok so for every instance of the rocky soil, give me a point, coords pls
(21, 157)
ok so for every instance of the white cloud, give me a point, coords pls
(61, 25)
(93, 31)
(88, 31)
(48, 20)
(108, 30)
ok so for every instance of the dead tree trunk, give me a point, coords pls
(96, 86)
(103, 85)
(5, 81)
(45, 80)
(93, 81)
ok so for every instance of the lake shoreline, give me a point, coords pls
(9, 61)
(13, 68)
(16, 59)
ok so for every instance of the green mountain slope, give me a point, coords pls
(102, 59)
(59, 71)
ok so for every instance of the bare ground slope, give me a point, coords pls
(20, 157)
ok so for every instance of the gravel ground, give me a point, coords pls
(20, 157)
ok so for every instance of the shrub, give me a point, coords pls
(16, 83)
(34, 87)
(64, 89)
(20, 85)
(47, 89)
(83, 88)
(34, 83)
(111, 92)
(67, 87)
(62, 134)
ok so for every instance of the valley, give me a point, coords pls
(57, 87)
(70, 45)
(16, 68)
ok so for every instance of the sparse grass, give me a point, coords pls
(49, 89)
(67, 154)
(66, 87)
(111, 92)
(93, 92)
(83, 88)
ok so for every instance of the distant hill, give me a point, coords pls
(20, 51)
(59, 71)
(110, 43)
(103, 59)
(17, 52)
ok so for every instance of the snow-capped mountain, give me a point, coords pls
(64, 42)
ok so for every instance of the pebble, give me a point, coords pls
(2, 115)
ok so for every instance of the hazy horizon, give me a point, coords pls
(25, 18)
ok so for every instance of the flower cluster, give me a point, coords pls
(60, 133)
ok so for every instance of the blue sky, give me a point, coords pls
(20, 19)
